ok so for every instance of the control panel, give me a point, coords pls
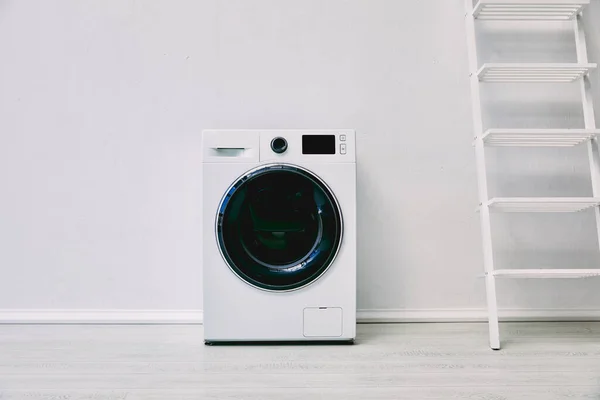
(279, 145)
(324, 144)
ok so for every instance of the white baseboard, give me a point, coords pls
(423, 315)
(476, 315)
(363, 316)
(100, 316)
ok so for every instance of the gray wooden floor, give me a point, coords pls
(402, 361)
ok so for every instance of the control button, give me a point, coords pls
(279, 145)
(342, 138)
(343, 148)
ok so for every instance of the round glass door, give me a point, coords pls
(279, 227)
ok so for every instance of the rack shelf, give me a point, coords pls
(534, 72)
(538, 137)
(528, 10)
(542, 204)
(546, 273)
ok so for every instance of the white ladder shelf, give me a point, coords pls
(527, 10)
(530, 10)
(543, 73)
(537, 137)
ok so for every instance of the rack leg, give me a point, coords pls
(589, 116)
(488, 257)
(486, 228)
(492, 304)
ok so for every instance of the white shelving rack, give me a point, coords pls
(497, 73)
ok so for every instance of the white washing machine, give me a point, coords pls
(279, 239)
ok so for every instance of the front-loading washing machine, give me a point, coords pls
(279, 237)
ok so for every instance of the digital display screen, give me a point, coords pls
(318, 144)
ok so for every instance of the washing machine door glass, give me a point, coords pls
(279, 227)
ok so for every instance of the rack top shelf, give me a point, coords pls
(546, 273)
(529, 10)
(534, 72)
(542, 204)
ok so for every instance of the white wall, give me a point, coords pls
(102, 103)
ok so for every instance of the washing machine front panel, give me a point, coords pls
(233, 308)
(279, 227)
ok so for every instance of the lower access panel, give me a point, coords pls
(323, 322)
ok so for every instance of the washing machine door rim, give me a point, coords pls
(279, 227)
